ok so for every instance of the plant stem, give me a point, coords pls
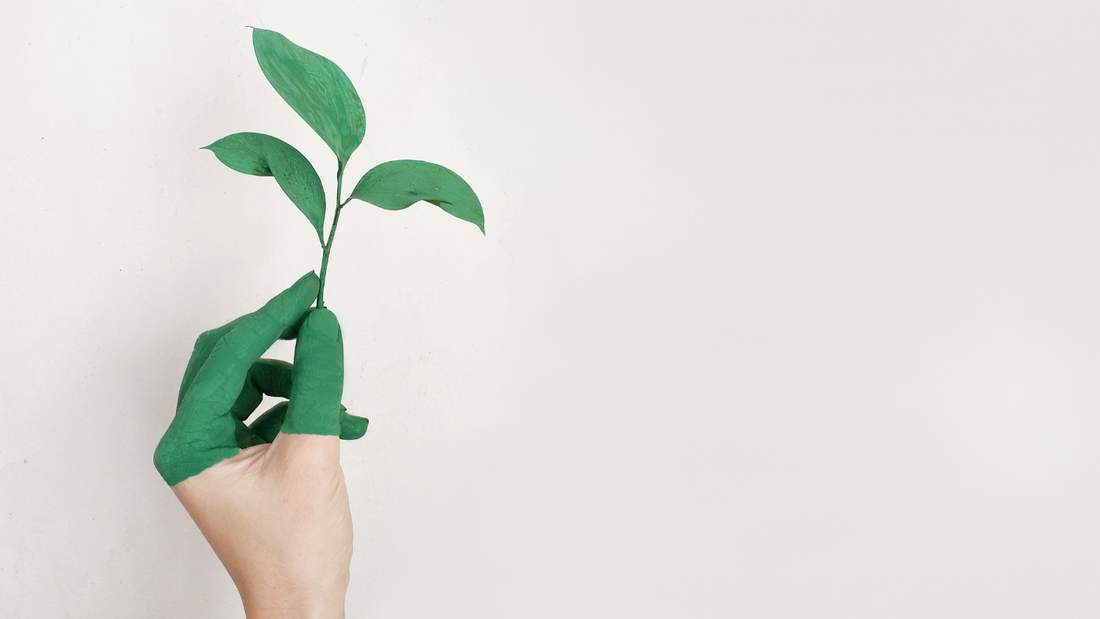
(327, 247)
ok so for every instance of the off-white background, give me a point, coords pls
(786, 309)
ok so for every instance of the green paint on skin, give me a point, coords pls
(226, 380)
(267, 426)
(315, 396)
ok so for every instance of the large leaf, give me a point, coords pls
(316, 88)
(264, 155)
(395, 185)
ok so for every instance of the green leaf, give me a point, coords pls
(318, 90)
(263, 155)
(395, 185)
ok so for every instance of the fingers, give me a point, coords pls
(203, 345)
(265, 377)
(204, 432)
(219, 380)
(318, 380)
(268, 425)
(274, 378)
(258, 331)
(291, 332)
(352, 427)
(206, 342)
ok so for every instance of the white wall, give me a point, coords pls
(786, 309)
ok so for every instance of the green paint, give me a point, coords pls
(321, 93)
(226, 380)
(395, 185)
(318, 90)
(263, 155)
(315, 396)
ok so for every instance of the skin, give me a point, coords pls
(269, 498)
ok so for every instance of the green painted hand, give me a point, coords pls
(226, 380)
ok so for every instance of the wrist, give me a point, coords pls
(280, 603)
(292, 610)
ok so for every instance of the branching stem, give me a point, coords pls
(327, 247)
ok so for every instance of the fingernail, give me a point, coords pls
(324, 324)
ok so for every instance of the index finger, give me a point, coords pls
(203, 431)
(219, 381)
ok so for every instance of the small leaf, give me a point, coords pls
(264, 155)
(395, 185)
(318, 90)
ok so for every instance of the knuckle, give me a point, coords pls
(206, 339)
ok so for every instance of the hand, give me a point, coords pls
(270, 497)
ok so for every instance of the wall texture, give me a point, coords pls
(786, 309)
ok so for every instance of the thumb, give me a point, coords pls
(318, 377)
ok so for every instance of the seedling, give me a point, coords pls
(321, 93)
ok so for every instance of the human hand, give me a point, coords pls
(270, 497)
